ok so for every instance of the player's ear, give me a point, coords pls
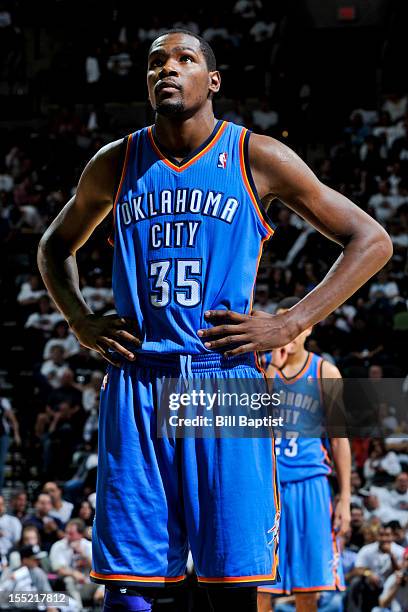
(308, 331)
(214, 82)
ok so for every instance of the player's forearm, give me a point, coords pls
(363, 256)
(60, 275)
(342, 461)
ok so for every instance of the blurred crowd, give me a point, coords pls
(109, 62)
(49, 384)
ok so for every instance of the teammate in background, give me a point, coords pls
(189, 225)
(308, 557)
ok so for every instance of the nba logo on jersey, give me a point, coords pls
(222, 160)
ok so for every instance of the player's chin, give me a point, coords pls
(170, 107)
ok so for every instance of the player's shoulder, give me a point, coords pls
(266, 147)
(111, 151)
(329, 370)
(101, 172)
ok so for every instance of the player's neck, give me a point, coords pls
(295, 362)
(181, 137)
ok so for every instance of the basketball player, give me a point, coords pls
(189, 225)
(308, 557)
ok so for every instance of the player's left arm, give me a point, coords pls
(279, 173)
(341, 453)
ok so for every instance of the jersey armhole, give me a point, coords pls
(320, 378)
(120, 174)
(250, 184)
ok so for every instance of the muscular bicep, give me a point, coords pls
(91, 203)
(279, 173)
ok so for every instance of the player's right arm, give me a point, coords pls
(56, 258)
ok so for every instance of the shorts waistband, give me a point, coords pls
(191, 364)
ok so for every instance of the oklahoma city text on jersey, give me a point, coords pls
(139, 207)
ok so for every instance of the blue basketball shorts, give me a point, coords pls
(159, 497)
(309, 559)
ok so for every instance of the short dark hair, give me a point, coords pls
(205, 48)
(78, 523)
(287, 303)
(394, 525)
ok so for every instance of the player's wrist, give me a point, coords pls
(293, 324)
(77, 320)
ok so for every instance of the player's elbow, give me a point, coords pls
(377, 244)
(383, 246)
(43, 251)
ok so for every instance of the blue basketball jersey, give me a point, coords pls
(188, 237)
(301, 450)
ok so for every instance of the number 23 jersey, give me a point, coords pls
(188, 236)
(300, 444)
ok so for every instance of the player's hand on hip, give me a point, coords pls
(234, 333)
(341, 518)
(105, 334)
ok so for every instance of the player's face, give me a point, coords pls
(178, 79)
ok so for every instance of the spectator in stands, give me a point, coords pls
(84, 480)
(356, 538)
(399, 534)
(384, 287)
(29, 537)
(62, 336)
(394, 595)
(54, 368)
(10, 529)
(91, 391)
(49, 527)
(264, 118)
(60, 439)
(71, 559)
(395, 105)
(262, 30)
(383, 204)
(381, 466)
(83, 364)
(68, 392)
(29, 576)
(19, 504)
(31, 291)
(119, 65)
(8, 422)
(355, 486)
(6, 180)
(93, 73)
(384, 128)
(400, 145)
(215, 31)
(262, 300)
(247, 9)
(61, 508)
(97, 295)
(374, 563)
(394, 502)
(45, 318)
